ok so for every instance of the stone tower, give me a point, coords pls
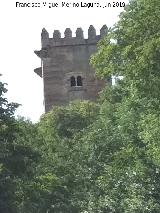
(65, 68)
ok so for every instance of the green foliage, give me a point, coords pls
(132, 48)
(65, 153)
(87, 157)
(7, 129)
(129, 178)
(16, 159)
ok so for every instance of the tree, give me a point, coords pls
(129, 154)
(106, 158)
(7, 130)
(17, 159)
(60, 132)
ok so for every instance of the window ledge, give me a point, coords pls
(76, 88)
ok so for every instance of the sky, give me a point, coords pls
(20, 34)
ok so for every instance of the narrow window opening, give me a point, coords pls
(73, 81)
(79, 81)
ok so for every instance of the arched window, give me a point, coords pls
(73, 81)
(79, 81)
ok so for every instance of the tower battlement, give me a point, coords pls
(68, 39)
(66, 71)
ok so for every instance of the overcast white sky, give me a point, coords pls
(20, 35)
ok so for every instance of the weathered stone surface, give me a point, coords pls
(56, 35)
(63, 58)
(103, 30)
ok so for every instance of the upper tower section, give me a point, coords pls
(66, 71)
(68, 39)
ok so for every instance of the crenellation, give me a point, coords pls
(44, 37)
(56, 35)
(91, 32)
(103, 31)
(68, 39)
(44, 34)
(79, 33)
(68, 33)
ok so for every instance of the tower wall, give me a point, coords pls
(66, 58)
